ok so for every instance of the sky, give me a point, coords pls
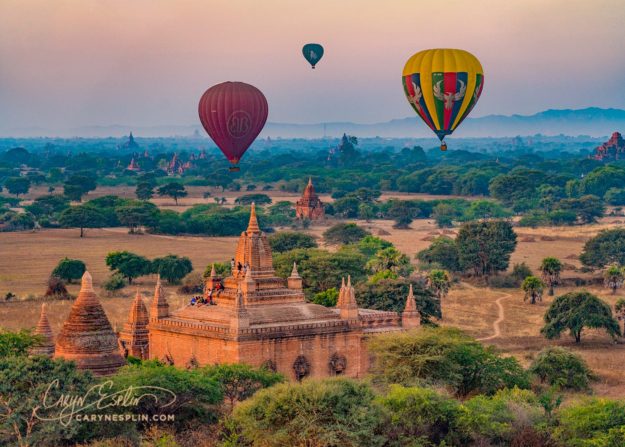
(72, 63)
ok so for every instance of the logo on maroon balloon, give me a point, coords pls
(239, 124)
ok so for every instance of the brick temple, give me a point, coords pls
(256, 318)
(261, 319)
(309, 206)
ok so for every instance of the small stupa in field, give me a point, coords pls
(87, 337)
(134, 337)
(45, 346)
(309, 206)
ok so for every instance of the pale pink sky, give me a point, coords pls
(68, 63)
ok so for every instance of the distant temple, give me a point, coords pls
(176, 166)
(133, 166)
(255, 318)
(309, 206)
(130, 143)
(87, 337)
(613, 149)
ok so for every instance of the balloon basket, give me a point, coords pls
(444, 147)
(234, 169)
(313, 67)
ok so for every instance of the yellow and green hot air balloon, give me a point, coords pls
(442, 86)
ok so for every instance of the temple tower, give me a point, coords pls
(134, 338)
(411, 317)
(43, 329)
(159, 308)
(309, 206)
(347, 301)
(87, 337)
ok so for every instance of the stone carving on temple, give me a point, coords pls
(338, 364)
(301, 368)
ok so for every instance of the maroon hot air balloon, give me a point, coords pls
(233, 114)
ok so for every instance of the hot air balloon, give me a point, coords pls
(233, 114)
(313, 52)
(443, 86)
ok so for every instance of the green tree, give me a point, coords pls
(144, 191)
(82, 216)
(25, 382)
(128, 264)
(533, 288)
(189, 394)
(221, 269)
(587, 208)
(485, 247)
(575, 311)
(344, 233)
(607, 247)
(69, 269)
(390, 259)
(316, 413)
(560, 367)
(484, 209)
(258, 199)
(17, 185)
(592, 422)
(239, 382)
(613, 277)
(15, 344)
(327, 298)
(174, 190)
(366, 212)
(439, 282)
(550, 269)
(370, 245)
(442, 252)
(391, 294)
(401, 213)
(47, 206)
(289, 240)
(172, 268)
(77, 186)
(444, 356)
(136, 215)
(422, 417)
(444, 215)
(520, 272)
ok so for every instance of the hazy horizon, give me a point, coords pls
(68, 64)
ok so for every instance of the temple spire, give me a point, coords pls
(410, 317)
(347, 301)
(253, 227)
(46, 345)
(134, 336)
(160, 307)
(213, 271)
(294, 281)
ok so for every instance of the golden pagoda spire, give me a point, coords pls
(253, 227)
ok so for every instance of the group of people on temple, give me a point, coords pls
(207, 298)
(237, 268)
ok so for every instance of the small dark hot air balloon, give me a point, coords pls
(313, 52)
(233, 114)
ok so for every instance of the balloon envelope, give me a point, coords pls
(443, 86)
(233, 114)
(313, 52)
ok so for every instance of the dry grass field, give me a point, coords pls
(26, 259)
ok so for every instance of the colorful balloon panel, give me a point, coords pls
(233, 114)
(313, 52)
(443, 86)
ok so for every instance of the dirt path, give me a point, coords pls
(496, 330)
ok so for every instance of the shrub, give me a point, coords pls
(444, 356)
(289, 240)
(345, 233)
(560, 367)
(115, 282)
(69, 269)
(592, 423)
(326, 298)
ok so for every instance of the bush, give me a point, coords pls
(115, 282)
(442, 252)
(69, 269)
(444, 356)
(326, 298)
(592, 423)
(222, 269)
(344, 233)
(560, 367)
(324, 413)
(290, 240)
(520, 272)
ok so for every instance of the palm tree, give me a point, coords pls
(439, 282)
(550, 269)
(613, 277)
(390, 259)
(533, 288)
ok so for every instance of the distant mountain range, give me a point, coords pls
(593, 121)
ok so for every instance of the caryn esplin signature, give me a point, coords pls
(97, 397)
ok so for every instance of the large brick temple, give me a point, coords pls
(256, 318)
(261, 319)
